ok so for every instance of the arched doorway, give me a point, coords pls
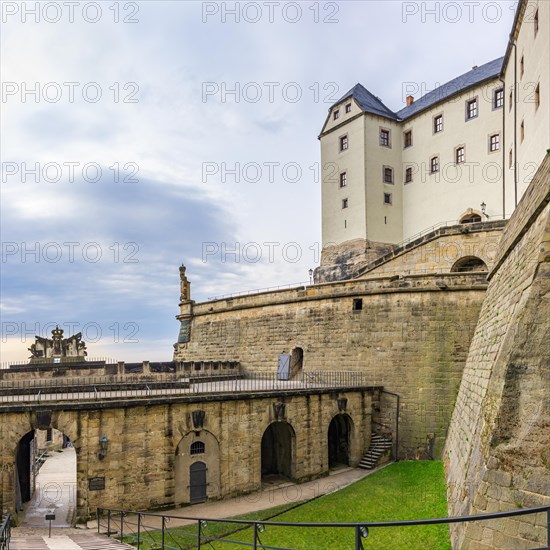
(296, 361)
(197, 468)
(45, 478)
(469, 263)
(277, 450)
(339, 439)
(471, 217)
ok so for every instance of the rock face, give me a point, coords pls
(498, 449)
(341, 262)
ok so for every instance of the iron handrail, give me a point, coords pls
(361, 529)
(5, 532)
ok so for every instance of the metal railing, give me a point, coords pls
(138, 528)
(259, 291)
(5, 532)
(5, 365)
(173, 384)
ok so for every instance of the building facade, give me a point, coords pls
(463, 152)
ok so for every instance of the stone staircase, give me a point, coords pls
(379, 444)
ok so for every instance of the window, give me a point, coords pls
(522, 131)
(388, 174)
(510, 159)
(536, 22)
(438, 124)
(537, 96)
(348, 108)
(197, 448)
(336, 114)
(494, 142)
(498, 98)
(344, 143)
(384, 137)
(434, 165)
(387, 198)
(344, 203)
(408, 175)
(521, 66)
(357, 304)
(343, 179)
(408, 139)
(460, 154)
(510, 100)
(471, 109)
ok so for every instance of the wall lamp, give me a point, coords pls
(103, 447)
(483, 207)
(311, 276)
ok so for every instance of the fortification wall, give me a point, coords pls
(498, 450)
(440, 253)
(410, 336)
(148, 459)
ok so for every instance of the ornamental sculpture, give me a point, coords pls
(57, 346)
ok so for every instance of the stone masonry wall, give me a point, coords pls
(140, 467)
(410, 336)
(498, 450)
(439, 255)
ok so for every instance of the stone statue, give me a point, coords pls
(185, 286)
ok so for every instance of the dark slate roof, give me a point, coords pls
(368, 102)
(371, 104)
(462, 82)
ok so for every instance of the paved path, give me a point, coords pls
(62, 539)
(55, 492)
(268, 497)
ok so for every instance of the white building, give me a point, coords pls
(476, 140)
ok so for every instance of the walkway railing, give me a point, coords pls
(5, 532)
(153, 531)
(117, 387)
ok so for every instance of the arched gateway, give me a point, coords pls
(278, 451)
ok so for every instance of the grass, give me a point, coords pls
(405, 490)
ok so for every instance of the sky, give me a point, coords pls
(137, 136)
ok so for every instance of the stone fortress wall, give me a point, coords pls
(410, 336)
(497, 453)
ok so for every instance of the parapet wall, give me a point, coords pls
(498, 450)
(410, 335)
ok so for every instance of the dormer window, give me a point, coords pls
(336, 114)
(348, 108)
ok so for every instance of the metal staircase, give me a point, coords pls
(379, 444)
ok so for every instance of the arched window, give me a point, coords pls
(469, 263)
(197, 448)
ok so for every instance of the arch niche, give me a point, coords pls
(340, 433)
(278, 452)
(197, 468)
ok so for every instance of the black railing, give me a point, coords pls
(138, 528)
(117, 387)
(5, 532)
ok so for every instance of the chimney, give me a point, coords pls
(410, 100)
(474, 67)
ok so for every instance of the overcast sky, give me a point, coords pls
(136, 115)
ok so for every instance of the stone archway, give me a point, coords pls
(339, 441)
(469, 263)
(277, 451)
(45, 478)
(197, 457)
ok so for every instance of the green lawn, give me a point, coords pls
(406, 490)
